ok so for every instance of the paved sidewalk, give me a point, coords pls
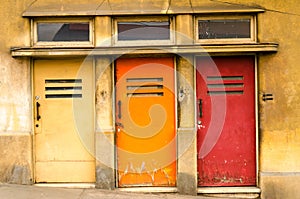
(9, 191)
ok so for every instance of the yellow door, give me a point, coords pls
(145, 122)
(63, 110)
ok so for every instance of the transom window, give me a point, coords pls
(141, 31)
(62, 32)
(230, 29)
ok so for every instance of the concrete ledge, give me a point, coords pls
(211, 190)
(230, 192)
(176, 49)
(67, 185)
(139, 7)
(149, 189)
(277, 174)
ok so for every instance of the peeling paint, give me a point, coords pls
(157, 177)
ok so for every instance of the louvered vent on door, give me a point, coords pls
(218, 85)
(63, 88)
(144, 87)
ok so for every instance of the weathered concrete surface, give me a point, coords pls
(34, 192)
(184, 29)
(103, 31)
(185, 92)
(104, 94)
(105, 146)
(187, 162)
(280, 185)
(16, 159)
(105, 160)
(186, 133)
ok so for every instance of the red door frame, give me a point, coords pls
(225, 171)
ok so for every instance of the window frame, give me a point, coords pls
(251, 39)
(34, 32)
(142, 42)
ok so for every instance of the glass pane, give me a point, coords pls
(223, 29)
(63, 31)
(128, 31)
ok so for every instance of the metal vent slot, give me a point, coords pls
(159, 79)
(68, 88)
(63, 81)
(213, 78)
(225, 92)
(144, 87)
(228, 85)
(154, 94)
(64, 96)
(225, 85)
(63, 88)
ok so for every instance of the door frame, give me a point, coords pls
(256, 107)
(32, 89)
(168, 189)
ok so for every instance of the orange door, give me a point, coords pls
(145, 122)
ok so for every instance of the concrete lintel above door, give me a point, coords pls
(176, 49)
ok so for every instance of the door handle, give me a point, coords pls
(119, 109)
(200, 104)
(38, 117)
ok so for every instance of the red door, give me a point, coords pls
(145, 122)
(226, 121)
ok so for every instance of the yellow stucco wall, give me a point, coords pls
(15, 112)
(279, 119)
(278, 74)
(15, 100)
